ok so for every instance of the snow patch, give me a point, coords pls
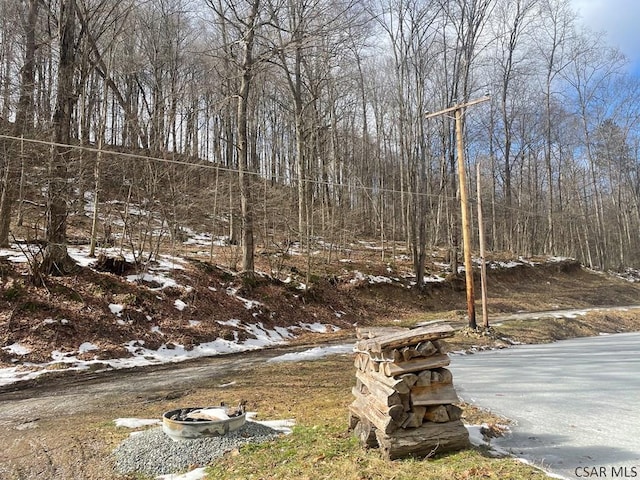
(16, 349)
(248, 304)
(195, 474)
(313, 354)
(318, 327)
(135, 422)
(282, 426)
(162, 280)
(87, 347)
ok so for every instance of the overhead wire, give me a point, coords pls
(220, 168)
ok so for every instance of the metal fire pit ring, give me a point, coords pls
(179, 426)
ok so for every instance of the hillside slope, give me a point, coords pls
(177, 308)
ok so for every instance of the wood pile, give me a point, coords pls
(404, 396)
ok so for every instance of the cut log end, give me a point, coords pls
(425, 441)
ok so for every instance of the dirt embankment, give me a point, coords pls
(108, 309)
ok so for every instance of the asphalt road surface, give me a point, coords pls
(576, 403)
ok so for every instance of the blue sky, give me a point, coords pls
(620, 19)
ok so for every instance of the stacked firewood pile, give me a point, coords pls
(404, 396)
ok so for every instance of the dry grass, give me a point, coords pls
(316, 394)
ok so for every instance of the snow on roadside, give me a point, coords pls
(159, 273)
(313, 353)
(167, 353)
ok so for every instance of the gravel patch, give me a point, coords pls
(152, 452)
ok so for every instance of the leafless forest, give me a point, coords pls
(267, 122)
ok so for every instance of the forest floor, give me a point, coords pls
(171, 307)
(181, 301)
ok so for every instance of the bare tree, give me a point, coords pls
(24, 120)
(55, 259)
(245, 21)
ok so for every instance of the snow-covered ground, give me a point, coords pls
(142, 356)
(160, 274)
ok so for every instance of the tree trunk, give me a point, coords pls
(56, 260)
(243, 153)
(24, 121)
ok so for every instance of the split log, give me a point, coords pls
(437, 414)
(406, 401)
(408, 353)
(435, 394)
(441, 375)
(422, 349)
(398, 414)
(365, 333)
(424, 441)
(361, 361)
(416, 365)
(365, 363)
(385, 394)
(391, 355)
(374, 366)
(405, 339)
(454, 411)
(424, 379)
(426, 349)
(415, 418)
(400, 385)
(441, 345)
(361, 387)
(364, 407)
(366, 433)
(409, 379)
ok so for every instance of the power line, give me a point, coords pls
(212, 166)
(137, 156)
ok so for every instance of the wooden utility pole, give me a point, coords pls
(466, 225)
(458, 110)
(483, 263)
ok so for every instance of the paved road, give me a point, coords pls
(576, 402)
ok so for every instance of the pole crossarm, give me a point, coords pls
(458, 106)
